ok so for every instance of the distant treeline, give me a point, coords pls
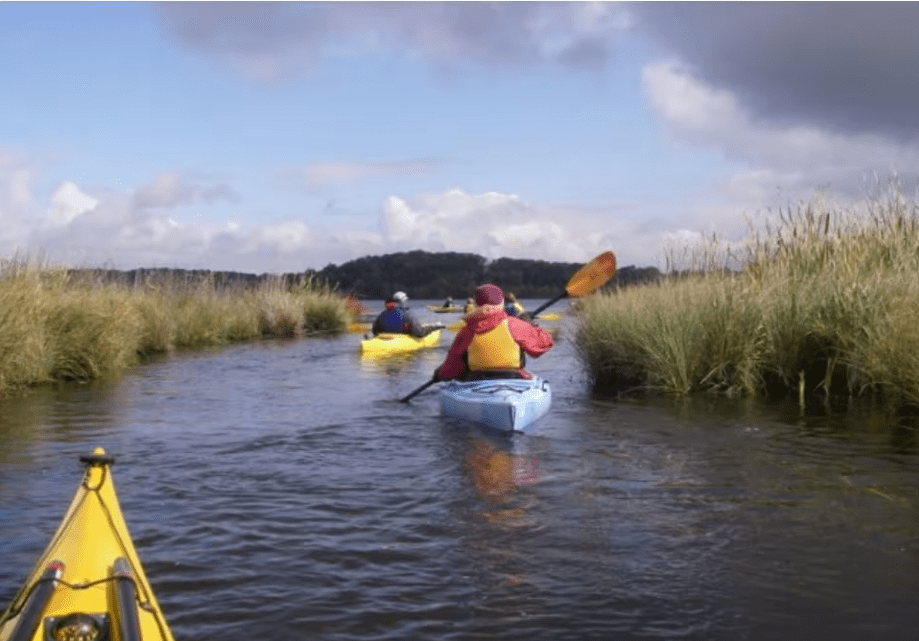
(419, 273)
(423, 274)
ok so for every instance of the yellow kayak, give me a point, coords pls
(88, 584)
(386, 344)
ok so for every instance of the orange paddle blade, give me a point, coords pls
(593, 275)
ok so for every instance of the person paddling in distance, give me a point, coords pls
(398, 319)
(492, 344)
(511, 306)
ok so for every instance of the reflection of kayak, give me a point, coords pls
(88, 583)
(504, 403)
(386, 344)
(440, 309)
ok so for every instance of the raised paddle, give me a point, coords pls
(585, 281)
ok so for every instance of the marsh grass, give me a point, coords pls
(823, 302)
(56, 327)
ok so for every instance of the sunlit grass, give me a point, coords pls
(824, 302)
(55, 326)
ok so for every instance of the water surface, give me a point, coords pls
(277, 490)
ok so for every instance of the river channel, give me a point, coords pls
(277, 490)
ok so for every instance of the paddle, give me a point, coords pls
(418, 391)
(585, 281)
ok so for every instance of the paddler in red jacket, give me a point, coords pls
(492, 344)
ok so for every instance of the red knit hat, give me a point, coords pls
(489, 295)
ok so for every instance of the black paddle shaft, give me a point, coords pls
(418, 391)
(545, 305)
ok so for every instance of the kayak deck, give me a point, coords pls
(385, 344)
(504, 404)
(88, 583)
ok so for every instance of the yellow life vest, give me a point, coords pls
(494, 349)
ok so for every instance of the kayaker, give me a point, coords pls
(511, 306)
(469, 306)
(492, 344)
(398, 319)
(448, 303)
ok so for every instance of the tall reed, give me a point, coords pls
(825, 301)
(54, 326)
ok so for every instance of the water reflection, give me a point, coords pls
(497, 472)
(398, 364)
(64, 413)
(22, 420)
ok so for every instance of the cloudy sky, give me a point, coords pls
(271, 137)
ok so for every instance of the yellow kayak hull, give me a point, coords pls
(89, 572)
(387, 344)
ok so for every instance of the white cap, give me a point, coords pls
(400, 297)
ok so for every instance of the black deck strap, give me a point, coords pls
(97, 459)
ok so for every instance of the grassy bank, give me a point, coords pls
(54, 326)
(826, 302)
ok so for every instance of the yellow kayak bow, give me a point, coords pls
(88, 584)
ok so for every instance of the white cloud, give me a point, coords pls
(17, 178)
(842, 66)
(151, 226)
(68, 202)
(793, 157)
(781, 164)
(170, 190)
(498, 225)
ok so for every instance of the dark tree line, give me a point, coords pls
(421, 274)
(427, 275)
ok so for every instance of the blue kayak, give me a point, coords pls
(509, 404)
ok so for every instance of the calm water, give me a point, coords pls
(278, 491)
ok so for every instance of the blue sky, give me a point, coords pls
(272, 137)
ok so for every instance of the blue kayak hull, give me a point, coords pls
(503, 404)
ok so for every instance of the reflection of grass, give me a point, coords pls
(54, 326)
(825, 302)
